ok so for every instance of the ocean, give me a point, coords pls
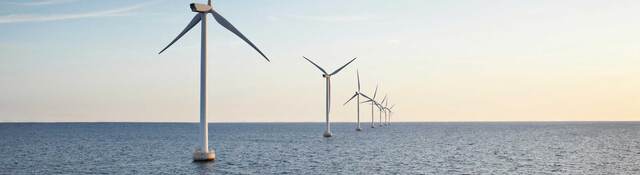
(299, 148)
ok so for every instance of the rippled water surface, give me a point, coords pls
(290, 148)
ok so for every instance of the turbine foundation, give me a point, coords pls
(201, 156)
(327, 134)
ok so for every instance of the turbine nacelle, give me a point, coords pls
(326, 75)
(200, 8)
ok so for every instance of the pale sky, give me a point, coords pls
(537, 60)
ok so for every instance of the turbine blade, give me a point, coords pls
(233, 29)
(386, 104)
(358, 75)
(392, 106)
(338, 70)
(375, 92)
(365, 96)
(383, 99)
(321, 69)
(354, 96)
(193, 22)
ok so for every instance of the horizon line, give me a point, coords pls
(505, 121)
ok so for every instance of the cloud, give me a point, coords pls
(42, 2)
(336, 18)
(16, 18)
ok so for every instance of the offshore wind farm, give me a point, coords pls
(422, 87)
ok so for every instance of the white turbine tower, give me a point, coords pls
(357, 96)
(203, 153)
(327, 76)
(373, 102)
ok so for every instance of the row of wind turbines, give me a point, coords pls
(203, 153)
(358, 93)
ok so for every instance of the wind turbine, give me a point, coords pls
(373, 102)
(390, 113)
(203, 153)
(327, 77)
(385, 110)
(381, 109)
(357, 96)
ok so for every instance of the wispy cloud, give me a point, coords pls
(41, 2)
(336, 18)
(122, 11)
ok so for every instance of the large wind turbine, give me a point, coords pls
(204, 153)
(357, 96)
(327, 77)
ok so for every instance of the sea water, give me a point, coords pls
(299, 148)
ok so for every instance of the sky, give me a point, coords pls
(437, 60)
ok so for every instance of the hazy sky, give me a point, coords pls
(96, 60)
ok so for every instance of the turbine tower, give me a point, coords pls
(373, 102)
(327, 76)
(357, 96)
(203, 153)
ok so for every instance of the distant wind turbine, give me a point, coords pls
(203, 153)
(357, 96)
(386, 110)
(381, 109)
(390, 113)
(327, 76)
(377, 105)
(373, 102)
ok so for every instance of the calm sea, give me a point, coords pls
(299, 148)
